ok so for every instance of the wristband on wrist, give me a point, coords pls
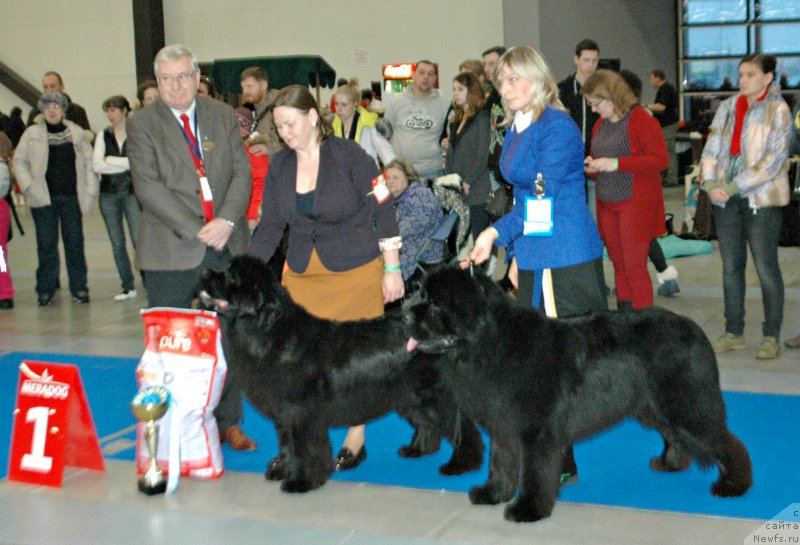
(229, 222)
(389, 244)
(616, 164)
(391, 267)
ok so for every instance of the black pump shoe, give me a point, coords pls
(276, 469)
(346, 460)
(6, 304)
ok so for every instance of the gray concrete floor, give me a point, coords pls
(105, 508)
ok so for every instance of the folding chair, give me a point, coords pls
(424, 268)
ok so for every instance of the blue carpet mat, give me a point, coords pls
(613, 465)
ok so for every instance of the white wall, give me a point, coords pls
(90, 42)
(639, 33)
(444, 31)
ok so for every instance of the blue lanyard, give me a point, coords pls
(193, 147)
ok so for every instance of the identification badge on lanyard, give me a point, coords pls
(379, 189)
(205, 189)
(538, 218)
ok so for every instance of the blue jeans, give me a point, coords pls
(591, 198)
(113, 207)
(737, 227)
(64, 212)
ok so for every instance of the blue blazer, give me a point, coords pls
(551, 146)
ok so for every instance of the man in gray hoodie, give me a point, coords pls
(417, 117)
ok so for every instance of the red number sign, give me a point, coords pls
(53, 425)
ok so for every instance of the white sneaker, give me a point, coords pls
(127, 294)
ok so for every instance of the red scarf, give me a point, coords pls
(741, 110)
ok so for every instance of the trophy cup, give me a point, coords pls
(150, 404)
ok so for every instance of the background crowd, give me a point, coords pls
(578, 165)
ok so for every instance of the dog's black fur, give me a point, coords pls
(307, 374)
(538, 384)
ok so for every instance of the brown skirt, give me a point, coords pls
(342, 296)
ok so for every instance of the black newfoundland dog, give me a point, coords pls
(307, 374)
(538, 384)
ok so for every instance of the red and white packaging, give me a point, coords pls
(183, 352)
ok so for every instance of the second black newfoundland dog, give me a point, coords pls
(538, 384)
(307, 374)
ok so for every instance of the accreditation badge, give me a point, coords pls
(538, 221)
(380, 190)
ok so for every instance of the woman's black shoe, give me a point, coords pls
(6, 304)
(346, 460)
(276, 469)
(45, 299)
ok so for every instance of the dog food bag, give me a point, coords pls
(183, 352)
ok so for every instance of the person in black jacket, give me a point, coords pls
(665, 109)
(586, 59)
(343, 247)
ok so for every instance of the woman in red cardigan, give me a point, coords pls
(628, 153)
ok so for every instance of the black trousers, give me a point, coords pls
(578, 289)
(64, 215)
(177, 289)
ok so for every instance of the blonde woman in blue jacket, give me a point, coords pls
(356, 123)
(543, 140)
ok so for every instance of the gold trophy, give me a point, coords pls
(150, 404)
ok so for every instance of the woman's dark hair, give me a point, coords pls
(212, 89)
(767, 63)
(144, 86)
(499, 49)
(300, 98)
(476, 97)
(117, 101)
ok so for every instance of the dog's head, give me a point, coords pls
(248, 287)
(454, 307)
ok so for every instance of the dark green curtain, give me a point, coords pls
(282, 71)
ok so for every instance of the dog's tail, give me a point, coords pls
(735, 468)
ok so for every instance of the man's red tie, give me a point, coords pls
(187, 128)
(205, 189)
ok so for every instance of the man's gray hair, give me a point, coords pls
(173, 52)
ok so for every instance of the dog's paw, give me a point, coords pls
(725, 488)
(295, 486)
(658, 463)
(521, 510)
(410, 451)
(460, 464)
(486, 494)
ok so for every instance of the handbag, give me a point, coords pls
(500, 202)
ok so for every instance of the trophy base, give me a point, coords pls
(152, 489)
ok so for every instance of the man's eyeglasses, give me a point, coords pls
(183, 77)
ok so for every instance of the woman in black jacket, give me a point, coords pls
(343, 250)
(468, 149)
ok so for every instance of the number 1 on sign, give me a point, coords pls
(36, 460)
